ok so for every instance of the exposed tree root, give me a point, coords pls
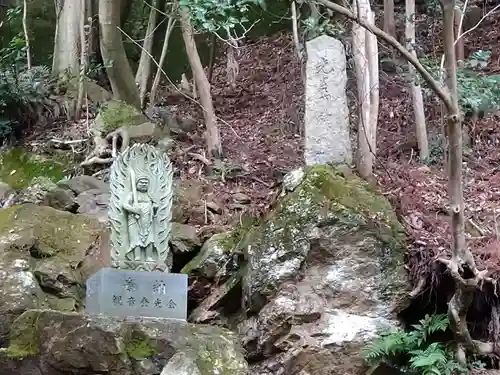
(467, 279)
(107, 146)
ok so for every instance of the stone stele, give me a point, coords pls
(326, 113)
(140, 209)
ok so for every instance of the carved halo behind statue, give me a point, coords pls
(140, 209)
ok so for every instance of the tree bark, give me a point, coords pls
(120, 73)
(67, 37)
(372, 51)
(366, 66)
(170, 26)
(211, 59)
(416, 90)
(466, 283)
(212, 136)
(83, 63)
(125, 8)
(144, 69)
(26, 36)
(389, 23)
(459, 45)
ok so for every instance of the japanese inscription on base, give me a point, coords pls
(117, 292)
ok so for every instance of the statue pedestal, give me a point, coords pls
(123, 293)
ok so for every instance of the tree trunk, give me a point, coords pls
(461, 266)
(26, 36)
(459, 45)
(389, 23)
(83, 63)
(92, 12)
(144, 69)
(125, 8)
(366, 66)
(461, 255)
(372, 53)
(211, 63)
(67, 37)
(212, 136)
(120, 73)
(170, 26)
(416, 90)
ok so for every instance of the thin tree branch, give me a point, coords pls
(26, 36)
(477, 24)
(295, 31)
(435, 86)
(174, 85)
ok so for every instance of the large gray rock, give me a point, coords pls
(325, 271)
(45, 257)
(60, 199)
(94, 203)
(214, 258)
(184, 238)
(326, 115)
(55, 343)
(37, 191)
(80, 184)
(7, 195)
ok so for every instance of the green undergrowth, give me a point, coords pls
(417, 351)
(140, 347)
(24, 337)
(19, 167)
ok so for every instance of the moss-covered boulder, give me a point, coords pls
(96, 94)
(184, 238)
(70, 343)
(45, 258)
(325, 267)
(116, 114)
(37, 191)
(188, 206)
(18, 168)
(214, 258)
(7, 195)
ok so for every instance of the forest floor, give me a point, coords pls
(260, 125)
(261, 133)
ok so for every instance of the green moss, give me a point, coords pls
(334, 196)
(235, 239)
(115, 114)
(60, 304)
(24, 336)
(358, 200)
(57, 232)
(7, 216)
(213, 355)
(18, 168)
(361, 204)
(140, 347)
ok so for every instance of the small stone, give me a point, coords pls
(293, 179)
(241, 198)
(165, 144)
(60, 199)
(211, 205)
(94, 203)
(181, 364)
(184, 238)
(213, 258)
(83, 183)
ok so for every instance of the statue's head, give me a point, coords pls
(142, 184)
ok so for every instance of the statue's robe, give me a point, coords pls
(140, 224)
